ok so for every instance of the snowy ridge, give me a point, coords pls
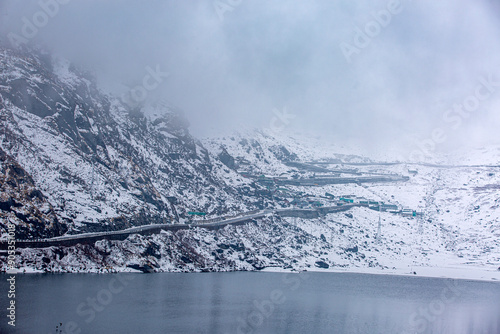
(75, 161)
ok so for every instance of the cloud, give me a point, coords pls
(234, 69)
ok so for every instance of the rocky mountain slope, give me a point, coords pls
(23, 204)
(74, 160)
(97, 163)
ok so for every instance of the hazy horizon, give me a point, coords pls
(376, 73)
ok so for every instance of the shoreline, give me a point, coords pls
(456, 272)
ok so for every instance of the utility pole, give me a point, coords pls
(92, 195)
(379, 228)
(420, 219)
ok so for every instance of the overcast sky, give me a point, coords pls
(231, 62)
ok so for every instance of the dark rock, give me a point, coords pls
(353, 249)
(145, 268)
(322, 264)
(152, 250)
(239, 247)
(186, 259)
(227, 159)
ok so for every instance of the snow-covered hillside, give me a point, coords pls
(74, 160)
(100, 164)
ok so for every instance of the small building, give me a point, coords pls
(408, 212)
(389, 207)
(194, 213)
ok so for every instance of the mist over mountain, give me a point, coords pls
(99, 163)
(173, 136)
(396, 76)
(345, 154)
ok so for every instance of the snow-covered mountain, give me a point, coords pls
(98, 163)
(75, 160)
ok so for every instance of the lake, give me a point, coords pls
(251, 302)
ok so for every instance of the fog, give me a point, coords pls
(389, 74)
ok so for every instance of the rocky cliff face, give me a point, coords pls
(94, 163)
(23, 205)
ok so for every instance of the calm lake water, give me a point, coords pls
(251, 302)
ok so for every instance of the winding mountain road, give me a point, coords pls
(69, 240)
